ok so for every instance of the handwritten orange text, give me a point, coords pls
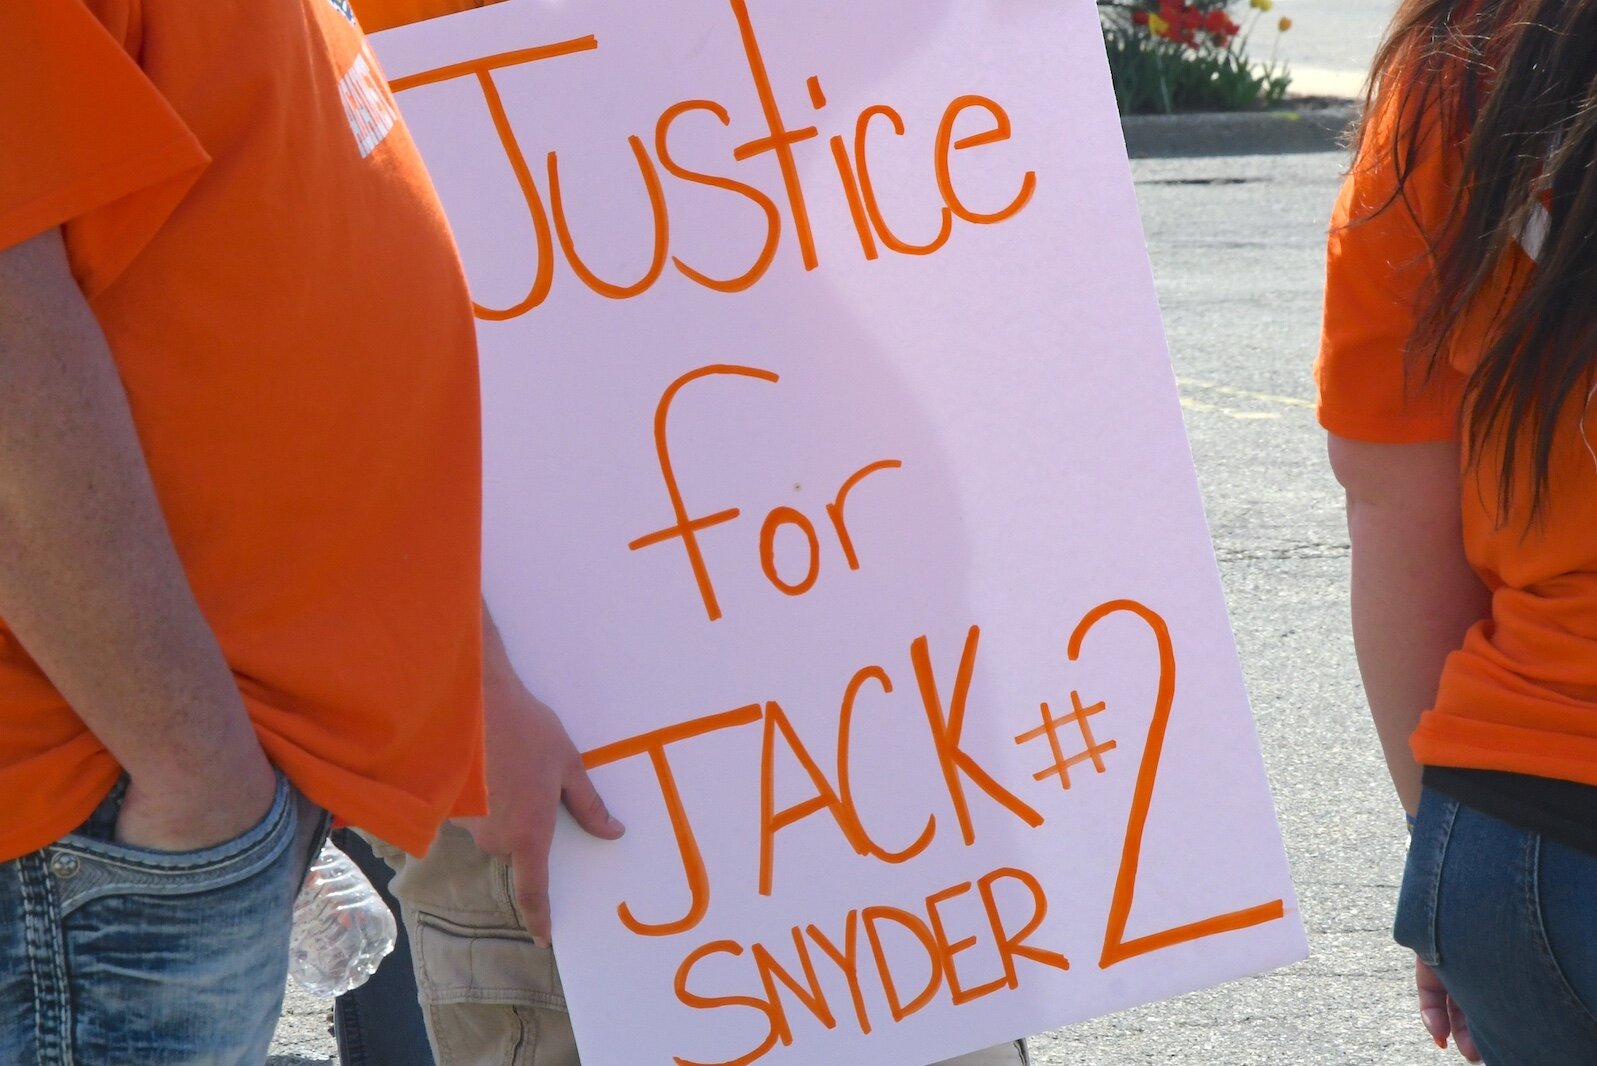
(868, 951)
(969, 121)
(687, 528)
(929, 965)
(945, 718)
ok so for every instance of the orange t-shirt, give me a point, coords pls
(252, 226)
(1521, 694)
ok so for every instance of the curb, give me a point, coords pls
(1308, 129)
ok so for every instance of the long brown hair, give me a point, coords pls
(1511, 87)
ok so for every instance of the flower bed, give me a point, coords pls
(1190, 55)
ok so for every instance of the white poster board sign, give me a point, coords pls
(837, 497)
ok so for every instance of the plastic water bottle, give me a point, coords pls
(342, 927)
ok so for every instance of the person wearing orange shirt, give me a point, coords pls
(239, 516)
(1457, 377)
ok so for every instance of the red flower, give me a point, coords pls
(1186, 22)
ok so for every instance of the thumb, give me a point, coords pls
(587, 807)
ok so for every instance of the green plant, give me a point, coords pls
(1188, 55)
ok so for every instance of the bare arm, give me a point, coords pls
(1414, 594)
(1414, 597)
(89, 581)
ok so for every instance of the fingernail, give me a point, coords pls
(541, 941)
(615, 825)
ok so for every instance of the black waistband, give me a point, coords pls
(1565, 811)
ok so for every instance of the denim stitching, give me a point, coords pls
(1437, 856)
(146, 880)
(1533, 906)
(112, 854)
(46, 963)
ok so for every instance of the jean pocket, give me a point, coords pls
(1415, 926)
(88, 867)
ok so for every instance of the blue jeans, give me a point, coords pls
(114, 956)
(1508, 920)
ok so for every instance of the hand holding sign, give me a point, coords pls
(533, 770)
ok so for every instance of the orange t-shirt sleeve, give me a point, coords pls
(1376, 265)
(86, 142)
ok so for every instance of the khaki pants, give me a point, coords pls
(491, 997)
